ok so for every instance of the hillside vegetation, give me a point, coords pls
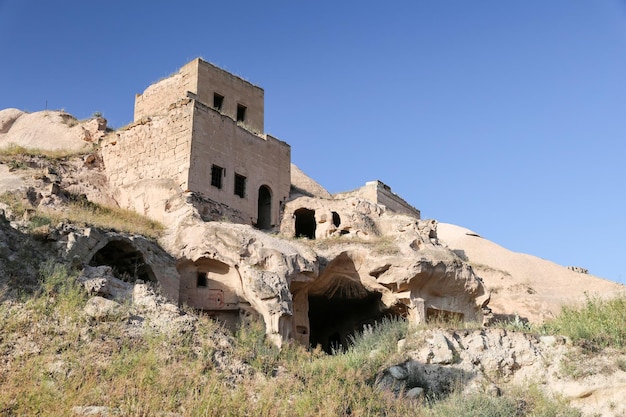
(54, 359)
(58, 357)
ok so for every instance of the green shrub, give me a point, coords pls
(525, 401)
(596, 325)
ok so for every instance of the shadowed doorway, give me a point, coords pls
(264, 215)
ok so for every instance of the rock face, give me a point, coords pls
(343, 256)
(520, 284)
(32, 130)
(385, 265)
(492, 360)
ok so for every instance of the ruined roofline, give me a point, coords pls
(374, 190)
(211, 85)
(204, 106)
(205, 62)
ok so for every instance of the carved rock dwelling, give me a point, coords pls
(196, 156)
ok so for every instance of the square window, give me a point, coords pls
(241, 113)
(240, 185)
(202, 280)
(218, 101)
(216, 176)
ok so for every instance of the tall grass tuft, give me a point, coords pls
(522, 401)
(597, 324)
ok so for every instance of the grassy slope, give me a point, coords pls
(53, 359)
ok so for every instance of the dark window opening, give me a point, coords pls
(264, 205)
(218, 101)
(334, 321)
(202, 280)
(216, 176)
(305, 223)
(241, 113)
(336, 219)
(240, 185)
(126, 262)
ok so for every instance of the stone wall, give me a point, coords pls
(263, 160)
(203, 80)
(380, 193)
(151, 149)
(157, 97)
(234, 89)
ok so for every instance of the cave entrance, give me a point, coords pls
(264, 208)
(305, 223)
(127, 263)
(334, 320)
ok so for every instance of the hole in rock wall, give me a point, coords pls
(334, 320)
(127, 262)
(305, 223)
(336, 219)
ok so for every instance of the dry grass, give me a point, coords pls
(80, 211)
(380, 245)
(13, 151)
(53, 359)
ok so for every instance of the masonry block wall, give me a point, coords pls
(236, 93)
(202, 129)
(152, 149)
(258, 161)
(157, 97)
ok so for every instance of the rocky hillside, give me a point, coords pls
(524, 285)
(80, 277)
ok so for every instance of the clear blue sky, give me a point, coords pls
(508, 118)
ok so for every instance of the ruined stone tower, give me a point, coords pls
(201, 130)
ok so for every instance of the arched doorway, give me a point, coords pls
(336, 319)
(305, 223)
(127, 262)
(264, 214)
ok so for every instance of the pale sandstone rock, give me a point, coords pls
(301, 184)
(35, 130)
(495, 360)
(522, 285)
(100, 281)
(94, 411)
(102, 309)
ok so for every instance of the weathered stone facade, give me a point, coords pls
(200, 130)
(380, 193)
(196, 153)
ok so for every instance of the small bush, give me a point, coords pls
(596, 325)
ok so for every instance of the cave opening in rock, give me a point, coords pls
(334, 320)
(305, 223)
(127, 262)
(336, 219)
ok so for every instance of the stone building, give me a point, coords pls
(197, 137)
(201, 130)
